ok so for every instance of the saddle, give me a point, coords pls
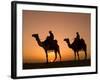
(50, 42)
(79, 42)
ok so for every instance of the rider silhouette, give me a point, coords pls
(78, 36)
(49, 38)
(77, 39)
(51, 35)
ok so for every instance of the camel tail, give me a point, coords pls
(84, 47)
(84, 44)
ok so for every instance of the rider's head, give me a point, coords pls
(77, 33)
(50, 31)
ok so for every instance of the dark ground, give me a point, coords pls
(57, 64)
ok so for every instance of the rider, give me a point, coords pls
(49, 38)
(51, 35)
(77, 37)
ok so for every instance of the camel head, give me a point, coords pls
(67, 40)
(34, 35)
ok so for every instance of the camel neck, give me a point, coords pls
(38, 41)
(69, 44)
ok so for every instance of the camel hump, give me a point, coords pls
(82, 41)
(55, 41)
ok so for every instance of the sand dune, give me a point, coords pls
(57, 64)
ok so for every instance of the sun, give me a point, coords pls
(51, 60)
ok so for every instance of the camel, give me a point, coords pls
(48, 47)
(77, 46)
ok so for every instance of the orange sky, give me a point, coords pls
(62, 24)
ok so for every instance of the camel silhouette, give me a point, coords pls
(77, 46)
(52, 46)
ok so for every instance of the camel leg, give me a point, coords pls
(85, 55)
(55, 56)
(78, 56)
(46, 56)
(59, 54)
(75, 56)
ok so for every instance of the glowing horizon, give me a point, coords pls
(62, 24)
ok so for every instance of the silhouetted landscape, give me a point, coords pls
(64, 36)
(78, 63)
(50, 44)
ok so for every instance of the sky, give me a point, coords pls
(62, 24)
